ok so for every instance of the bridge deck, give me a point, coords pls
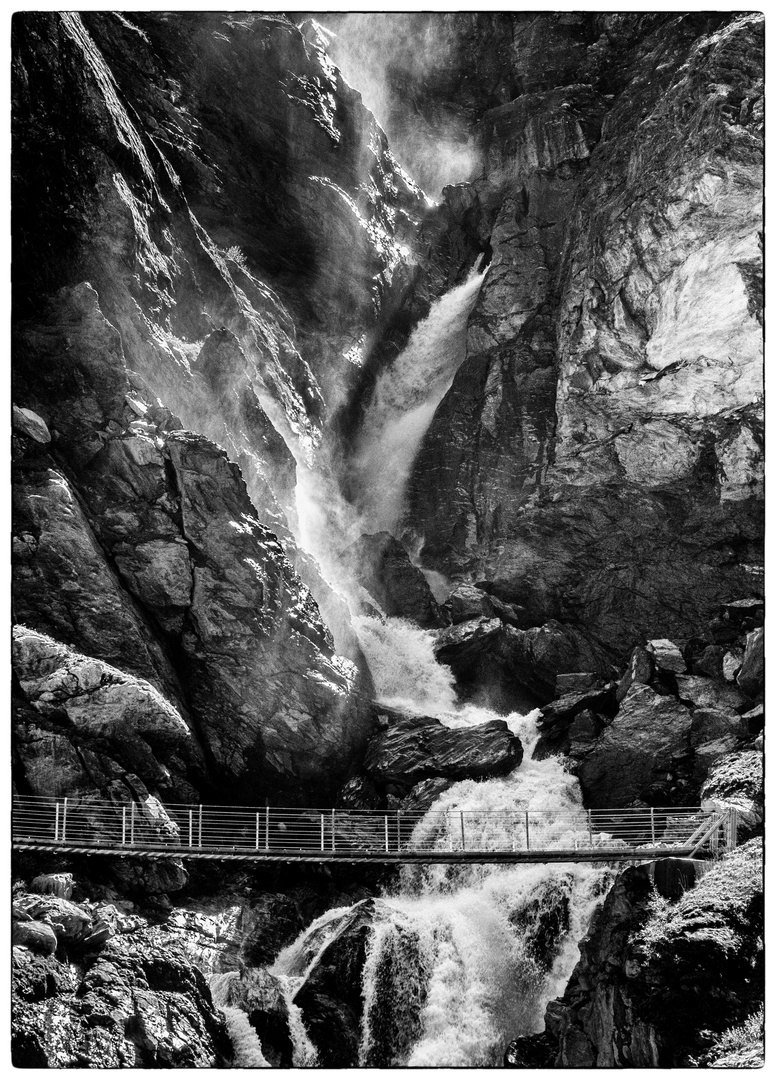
(292, 834)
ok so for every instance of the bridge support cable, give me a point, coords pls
(149, 829)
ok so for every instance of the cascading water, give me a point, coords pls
(246, 1044)
(462, 959)
(403, 404)
(458, 959)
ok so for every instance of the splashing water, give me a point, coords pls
(246, 1044)
(403, 404)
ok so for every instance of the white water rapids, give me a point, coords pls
(460, 959)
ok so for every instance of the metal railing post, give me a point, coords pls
(123, 825)
(258, 819)
(323, 832)
(398, 830)
(652, 822)
(191, 828)
(463, 834)
(199, 827)
(386, 832)
(63, 834)
(132, 824)
(590, 827)
(333, 842)
(266, 827)
(527, 833)
(56, 822)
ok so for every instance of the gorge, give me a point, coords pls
(392, 462)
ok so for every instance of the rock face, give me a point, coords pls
(657, 983)
(382, 566)
(127, 998)
(159, 565)
(598, 456)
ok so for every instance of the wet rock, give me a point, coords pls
(470, 602)
(412, 749)
(382, 566)
(424, 794)
(634, 759)
(710, 724)
(736, 782)
(259, 994)
(751, 677)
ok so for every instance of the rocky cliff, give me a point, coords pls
(598, 457)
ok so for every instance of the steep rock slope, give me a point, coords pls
(599, 456)
(166, 171)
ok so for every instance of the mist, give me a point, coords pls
(390, 59)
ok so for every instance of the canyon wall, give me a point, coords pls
(599, 455)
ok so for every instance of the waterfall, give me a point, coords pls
(459, 959)
(246, 1044)
(403, 404)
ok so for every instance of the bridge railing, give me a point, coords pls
(152, 826)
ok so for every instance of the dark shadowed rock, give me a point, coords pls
(522, 664)
(703, 693)
(412, 749)
(54, 884)
(382, 566)
(640, 670)
(35, 935)
(635, 758)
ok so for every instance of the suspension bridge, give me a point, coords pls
(151, 830)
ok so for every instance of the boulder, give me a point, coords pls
(731, 664)
(412, 749)
(382, 566)
(703, 693)
(751, 677)
(636, 757)
(35, 935)
(666, 655)
(558, 718)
